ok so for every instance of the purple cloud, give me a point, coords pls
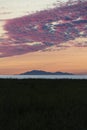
(45, 29)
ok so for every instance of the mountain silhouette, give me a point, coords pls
(40, 72)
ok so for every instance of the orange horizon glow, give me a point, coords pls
(63, 60)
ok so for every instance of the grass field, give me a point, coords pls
(38, 104)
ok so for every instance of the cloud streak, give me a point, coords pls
(47, 28)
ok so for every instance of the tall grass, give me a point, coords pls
(38, 104)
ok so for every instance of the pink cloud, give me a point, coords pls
(50, 27)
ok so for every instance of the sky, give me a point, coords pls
(49, 35)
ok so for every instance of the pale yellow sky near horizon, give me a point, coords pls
(71, 59)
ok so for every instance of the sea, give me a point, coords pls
(43, 76)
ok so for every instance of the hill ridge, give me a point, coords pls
(41, 72)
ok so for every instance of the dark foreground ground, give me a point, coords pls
(43, 104)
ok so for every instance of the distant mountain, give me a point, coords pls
(40, 72)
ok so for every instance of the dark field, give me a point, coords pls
(38, 104)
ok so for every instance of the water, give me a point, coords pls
(43, 76)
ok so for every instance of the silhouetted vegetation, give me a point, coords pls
(40, 104)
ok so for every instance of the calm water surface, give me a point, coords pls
(44, 76)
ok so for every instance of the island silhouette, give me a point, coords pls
(41, 72)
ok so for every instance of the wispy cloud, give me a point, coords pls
(5, 13)
(48, 28)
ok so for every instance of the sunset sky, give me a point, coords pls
(48, 35)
